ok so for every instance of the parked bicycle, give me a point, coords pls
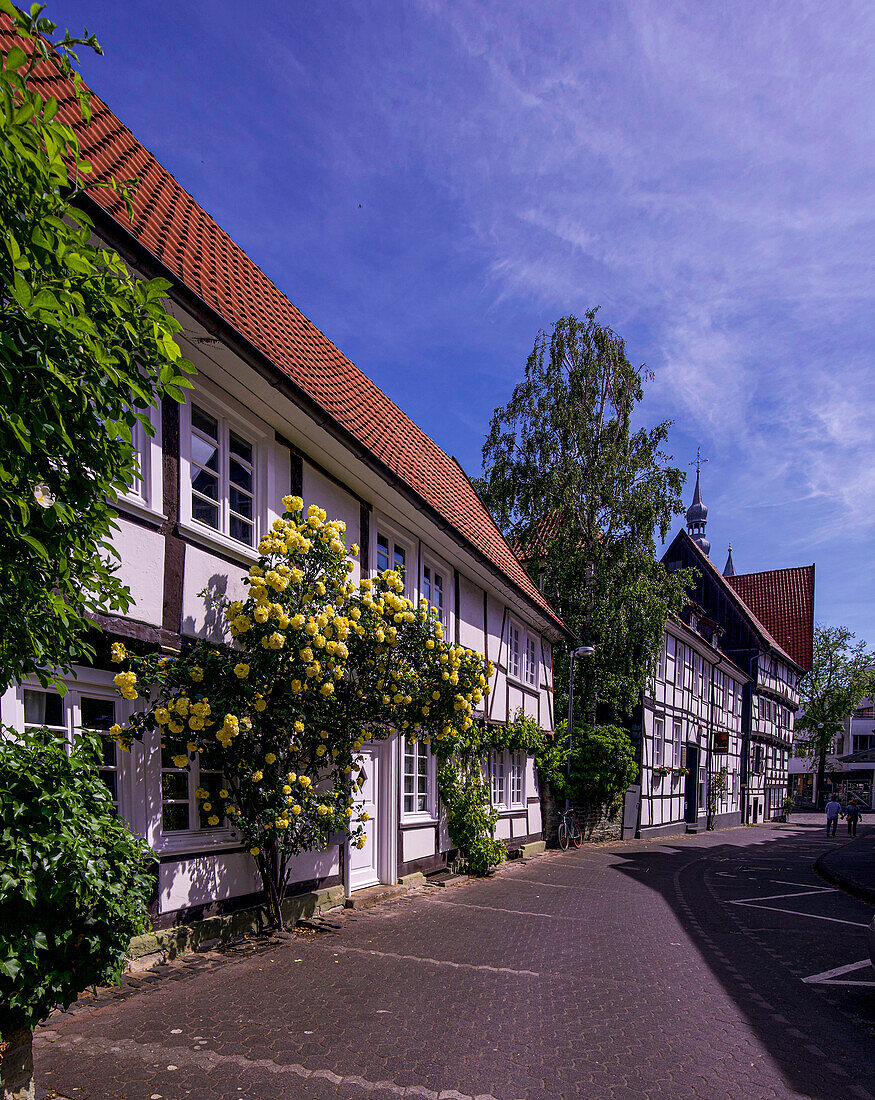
(569, 830)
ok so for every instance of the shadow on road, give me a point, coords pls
(820, 1036)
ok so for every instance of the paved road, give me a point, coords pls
(681, 968)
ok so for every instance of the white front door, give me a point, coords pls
(364, 863)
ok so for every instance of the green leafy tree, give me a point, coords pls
(602, 764)
(840, 677)
(318, 666)
(85, 349)
(582, 495)
(74, 885)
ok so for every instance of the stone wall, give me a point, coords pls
(597, 822)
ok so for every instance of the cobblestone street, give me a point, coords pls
(716, 965)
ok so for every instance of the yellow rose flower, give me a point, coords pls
(296, 809)
(180, 761)
(196, 674)
(270, 758)
(223, 793)
(257, 776)
(118, 653)
(255, 851)
(260, 703)
(241, 670)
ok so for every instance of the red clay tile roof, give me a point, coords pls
(783, 601)
(184, 238)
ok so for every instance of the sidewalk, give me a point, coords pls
(851, 865)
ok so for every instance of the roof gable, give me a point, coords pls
(173, 228)
(684, 547)
(783, 600)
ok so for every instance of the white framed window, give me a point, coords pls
(669, 658)
(497, 779)
(145, 493)
(688, 669)
(222, 476)
(660, 668)
(514, 650)
(700, 675)
(679, 665)
(391, 549)
(658, 741)
(224, 457)
(87, 708)
(436, 586)
(417, 781)
(531, 661)
(517, 774)
(181, 810)
(676, 744)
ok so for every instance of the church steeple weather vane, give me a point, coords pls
(697, 513)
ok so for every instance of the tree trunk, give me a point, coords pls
(821, 775)
(16, 1069)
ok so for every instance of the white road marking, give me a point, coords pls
(827, 977)
(798, 913)
(809, 893)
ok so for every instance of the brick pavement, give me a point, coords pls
(619, 971)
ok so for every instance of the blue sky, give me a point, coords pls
(431, 183)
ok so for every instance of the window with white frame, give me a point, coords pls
(80, 709)
(700, 675)
(145, 490)
(182, 811)
(688, 669)
(416, 779)
(434, 589)
(391, 554)
(517, 771)
(676, 744)
(679, 665)
(658, 742)
(669, 658)
(660, 668)
(497, 778)
(222, 476)
(531, 661)
(514, 650)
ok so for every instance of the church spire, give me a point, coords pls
(729, 567)
(697, 513)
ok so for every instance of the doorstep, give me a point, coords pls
(373, 895)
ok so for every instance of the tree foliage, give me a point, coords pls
(74, 885)
(318, 666)
(840, 677)
(603, 764)
(582, 494)
(85, 349)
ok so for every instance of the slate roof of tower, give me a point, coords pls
(783, 601)
(173, 228)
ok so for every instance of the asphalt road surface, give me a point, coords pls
(707, 966)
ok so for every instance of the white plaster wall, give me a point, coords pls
(204, 879)
(307, 865)
(530, 706)
(520, 826)
(141, 569)
(502, 828)
(535, 820)
(417, 844)
(444, 841)
(321, 490)
(205, 570)
(471, 615)
(515, 700)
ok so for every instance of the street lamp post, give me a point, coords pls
(581, 651)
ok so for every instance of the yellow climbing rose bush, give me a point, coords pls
(314, 667)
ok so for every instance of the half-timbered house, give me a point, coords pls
(276, 409)
(717, 716)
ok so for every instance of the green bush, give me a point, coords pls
(74, 882)
(603, 764)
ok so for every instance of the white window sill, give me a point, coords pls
(423, 818)
(138, 507)
(211, 539)
(193, 841)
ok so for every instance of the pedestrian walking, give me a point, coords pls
(833, 810)
(853, 814)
